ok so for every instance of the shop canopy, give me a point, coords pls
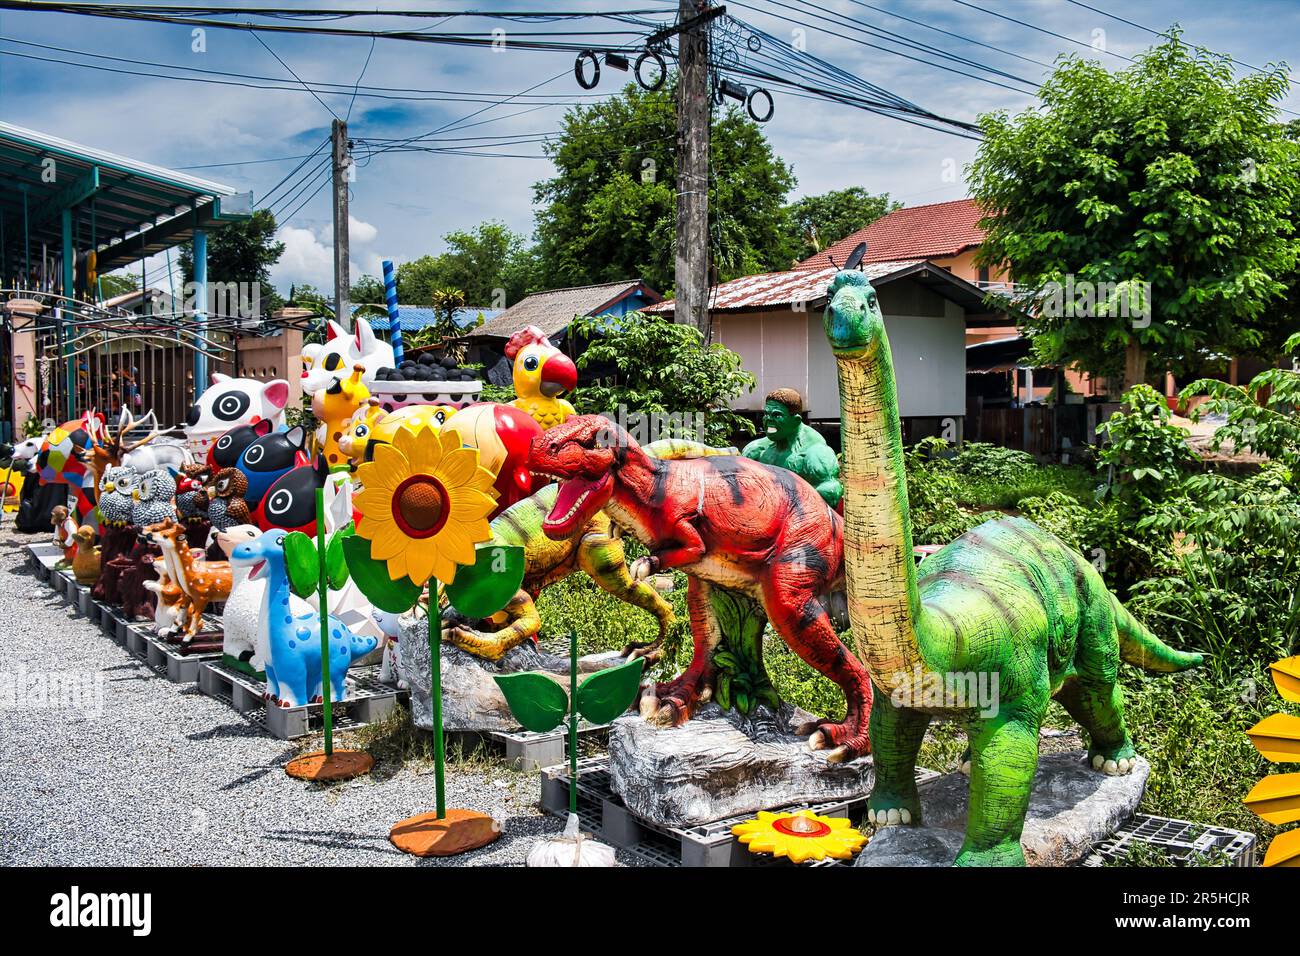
(68, 196)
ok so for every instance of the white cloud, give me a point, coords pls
(360, 232)
(306, 259)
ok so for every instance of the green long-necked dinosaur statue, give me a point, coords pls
(1007, 607)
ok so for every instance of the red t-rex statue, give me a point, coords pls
(727, 522)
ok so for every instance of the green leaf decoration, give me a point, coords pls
(336, 565)
(486, 586)
(538, 702)
(606, 694)
(373, 580)
(301, 563)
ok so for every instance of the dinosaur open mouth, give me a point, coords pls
(258, 568)
(574, 504)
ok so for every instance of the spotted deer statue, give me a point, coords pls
(202, 582)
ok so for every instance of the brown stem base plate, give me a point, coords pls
(458, 832)
(341, 765)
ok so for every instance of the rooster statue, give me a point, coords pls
(541, 374)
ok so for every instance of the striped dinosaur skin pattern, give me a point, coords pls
(1006, 601)
(726, 521)
(594, 549)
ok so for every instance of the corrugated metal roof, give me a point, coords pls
(127, 208)
(416, 317)
(552, 311)
(933, 231)
(783, 288)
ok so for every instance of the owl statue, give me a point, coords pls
(115, 489)
(226, 504)
(154, 498)
(191, 495)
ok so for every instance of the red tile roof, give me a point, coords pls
(915, 232)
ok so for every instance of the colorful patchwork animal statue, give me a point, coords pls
(269, 458)
(542, 373)
(230, 402)
(1007, 599)
(335, 405)
(293, 670)
(322, 364)
(729, 523)
(592, 547)
(65, 457)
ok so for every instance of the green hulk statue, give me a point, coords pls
(795, 446)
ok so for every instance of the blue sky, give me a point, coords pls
(402, 203)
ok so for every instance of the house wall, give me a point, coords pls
(784, 347)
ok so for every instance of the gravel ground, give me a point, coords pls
(162, 775)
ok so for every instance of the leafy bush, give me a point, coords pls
(1145, 455)
(665, 369)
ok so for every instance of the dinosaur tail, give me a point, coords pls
(1139, 646)
(362, 645)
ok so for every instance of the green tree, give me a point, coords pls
(609, 211)
(242, 251)
(819, 221)
(490, 265)
(368, 290)
(115, 284)
(1170, 176)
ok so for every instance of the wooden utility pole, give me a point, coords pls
(692, 260)
(341, 159)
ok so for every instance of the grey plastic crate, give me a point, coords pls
(1179, 841)
(43, 557)
(169, 660)
(526, 750)
(710, 844)
(368, 701)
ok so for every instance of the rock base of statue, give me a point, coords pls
(719, 764)
(1071, 808)
(471, 700)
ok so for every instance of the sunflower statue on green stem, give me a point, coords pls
(424, 521)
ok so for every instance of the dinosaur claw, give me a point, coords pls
(817, 740)
(838, 755)
(964, 768)
(649, 705)
(804, 729)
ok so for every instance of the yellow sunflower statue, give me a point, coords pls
(425, 504)
(1277, 798)
(800, 836)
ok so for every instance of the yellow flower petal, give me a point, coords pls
(388, 542)
(454, 541)
(420, 556)
(391, 465)
(468, 505)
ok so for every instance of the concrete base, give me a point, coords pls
(718, 765)
(1071, 808)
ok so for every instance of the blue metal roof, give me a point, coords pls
(415, 317)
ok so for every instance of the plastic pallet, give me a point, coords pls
(710, 844)
(1178, 840)
(43, 558)
(525, 750)
(368, 701)
(167, 659)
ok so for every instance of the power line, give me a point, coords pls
(295, 75)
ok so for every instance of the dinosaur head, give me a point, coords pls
(256, 552)
(853, 322)
(584, 453)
